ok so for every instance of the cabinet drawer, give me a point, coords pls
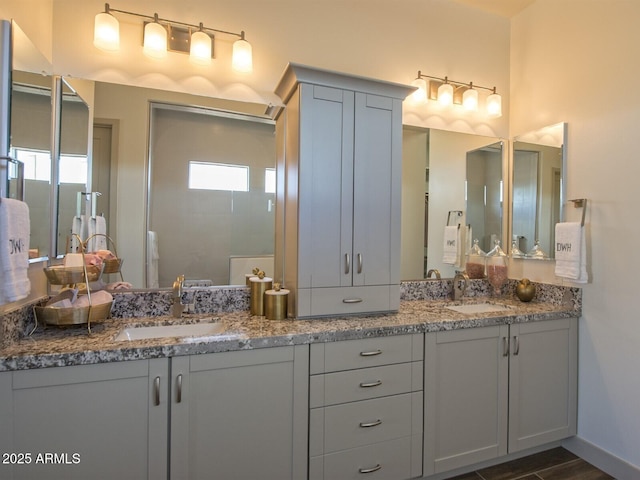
(347, 300)
(365, 383)
(369, 352)
(383, 461)
(360, 423)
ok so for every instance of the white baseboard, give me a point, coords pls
(605, 461)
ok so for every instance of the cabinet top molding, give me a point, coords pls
(296, 73)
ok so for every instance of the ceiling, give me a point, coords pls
(505, 8)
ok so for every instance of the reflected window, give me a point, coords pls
(73, 169)
(37, 164)
(269, 180)
(218, 176)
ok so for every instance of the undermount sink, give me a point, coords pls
(200, 329)
(473, 308)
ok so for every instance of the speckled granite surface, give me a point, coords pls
(56, 346)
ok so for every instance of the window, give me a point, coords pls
(269, 180)
(73, 169)
(37, 164)
(218, 176)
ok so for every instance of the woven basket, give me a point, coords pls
(73, 316)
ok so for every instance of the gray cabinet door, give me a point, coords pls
(90, 421)
(542, 382)
(240, 415)
(466, 389)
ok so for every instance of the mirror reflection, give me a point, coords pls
(538, 179)
(437, 165)
(75, 210)
(30, 135)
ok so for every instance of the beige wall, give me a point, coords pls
(564, 56)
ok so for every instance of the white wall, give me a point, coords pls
(564, 56)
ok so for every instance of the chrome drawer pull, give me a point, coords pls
(371, 384)
(371, 353)
(347, 263)
(370, 470)
(359, 263)
(179, 393)
(505, 347)
(370, 424)
(352, 300)
(156, 391)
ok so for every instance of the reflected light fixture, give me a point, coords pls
(451, 92)
(161, 34)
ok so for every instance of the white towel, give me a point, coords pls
(79, 228)
(451, 247)
(98, 227)
(14, 250)
(571, 252)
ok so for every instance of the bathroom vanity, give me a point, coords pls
(295, 399)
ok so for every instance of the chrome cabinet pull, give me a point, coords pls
(347, 263)
(371, 384)
(370, 470)
(371, 353)
(352, 300)
(179, 393)
(359, 263)
(370, 424)
(516, 345)
(505, 347)
(156, 391)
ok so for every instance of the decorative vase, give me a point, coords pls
(525, 290)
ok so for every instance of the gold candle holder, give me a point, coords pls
(259, 285)
(275, 303)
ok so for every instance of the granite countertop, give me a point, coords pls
(53, 346)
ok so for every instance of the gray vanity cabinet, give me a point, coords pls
(240, 415)
(339, 158)
(365, 401)
(90, 421)
(495, 390)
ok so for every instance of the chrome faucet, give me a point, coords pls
(458, 290)
(435, 272)
(178, 306)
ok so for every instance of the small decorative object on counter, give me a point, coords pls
(275, 303)
(497, 271)
(259, 285)
(254, 273)
(476, 259)
(525, 290)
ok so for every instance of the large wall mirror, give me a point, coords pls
(539, 170)
(30, 135)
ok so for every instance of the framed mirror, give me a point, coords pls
(538, 190)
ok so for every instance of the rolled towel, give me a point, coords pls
(571, 252)
(15, 230)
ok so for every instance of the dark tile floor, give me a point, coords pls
(554, 464)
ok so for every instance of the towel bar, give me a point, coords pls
(457, 212)
(580, 203)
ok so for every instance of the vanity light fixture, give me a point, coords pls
(161, 34)
(451, 92)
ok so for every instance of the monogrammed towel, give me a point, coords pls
(571, 252)
(451, 247)
(14, 250)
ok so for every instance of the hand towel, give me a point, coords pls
(451, 247)
(97, 229)
(14, 250)
(79, 228)
(571, 252)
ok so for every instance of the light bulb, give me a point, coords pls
(106, 32)
(242, 60)
(419, 96)
(494, 105)
(470, 99)
(200, 51)
(445, 94)
(155, 40)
